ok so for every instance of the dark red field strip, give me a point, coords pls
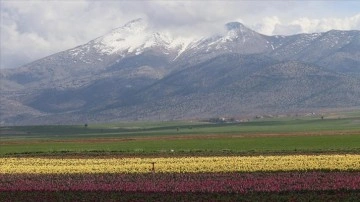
(178, 183)
(106, 196)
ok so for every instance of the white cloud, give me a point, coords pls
(273, 26)
(268, 25)
(34, 29)
(17, 46)
(325, 24)
(286, 29)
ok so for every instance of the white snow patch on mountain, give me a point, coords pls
(136, 36)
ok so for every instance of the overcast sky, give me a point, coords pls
(31, 30)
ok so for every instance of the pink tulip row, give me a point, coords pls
(176, 183)
(295, 196)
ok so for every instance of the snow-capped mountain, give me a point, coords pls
(70, 68)
(137, 72)
(237, 38)
(133, 38)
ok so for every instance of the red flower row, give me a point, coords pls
(189, 182)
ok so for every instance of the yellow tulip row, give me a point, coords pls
(181, 164)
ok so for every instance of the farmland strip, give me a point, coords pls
(344, 162)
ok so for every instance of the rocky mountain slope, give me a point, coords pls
(134, 72)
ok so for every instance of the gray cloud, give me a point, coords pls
(34, 29)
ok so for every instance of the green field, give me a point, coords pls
(258, 136)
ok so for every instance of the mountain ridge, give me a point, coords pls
(239, 73)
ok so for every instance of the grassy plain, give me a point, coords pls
(302, 134)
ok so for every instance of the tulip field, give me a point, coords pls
(278, 160)
(345, 162)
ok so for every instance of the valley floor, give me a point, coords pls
(302, 159)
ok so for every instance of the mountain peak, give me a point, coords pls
(236, 29)
(133, 26)
(136, 25)
(235, 26)
(134, 22)
(133, 38)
